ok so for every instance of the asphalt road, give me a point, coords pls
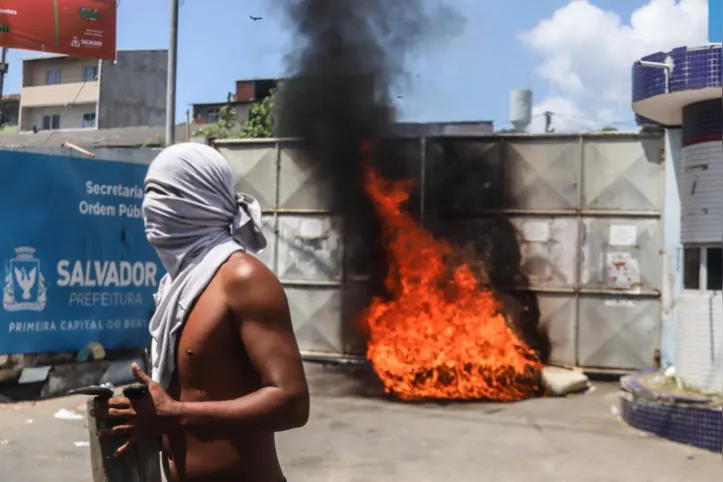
(355, 436)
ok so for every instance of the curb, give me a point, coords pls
(690, 420)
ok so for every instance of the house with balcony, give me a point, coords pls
(60, 92)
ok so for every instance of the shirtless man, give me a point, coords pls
(227, 374)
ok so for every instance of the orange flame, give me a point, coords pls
(439, 336)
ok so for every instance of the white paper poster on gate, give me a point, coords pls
(623, 235)
(311, 249)
(623, 271)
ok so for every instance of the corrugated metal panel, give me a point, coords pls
(620, 175)
(547, 246)
(541, 173)
(354, 298)
(255, 168)
(557, 318)
(699, 358)
(268, 256)
(310, 248)
(299, 186)
(618, 333)
(701, 192)
(316, 315)
(472, 170)
(622, 254)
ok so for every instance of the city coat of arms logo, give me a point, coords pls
(24, 288)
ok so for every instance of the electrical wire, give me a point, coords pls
(64, 115)
(594, 121)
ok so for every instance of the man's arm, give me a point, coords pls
(261, 313)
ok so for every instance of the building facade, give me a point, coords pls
(246, 93)
(680, 90)
(62, 92)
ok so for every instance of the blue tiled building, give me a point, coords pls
(680, 90)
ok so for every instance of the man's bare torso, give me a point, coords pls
(212, 365)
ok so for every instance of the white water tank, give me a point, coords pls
(521, 108)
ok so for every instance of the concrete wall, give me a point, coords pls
(132, 155)
(71, 117)
(245, 90)
(71, 70)
(672, 247)
(133, 89)
(59, 95)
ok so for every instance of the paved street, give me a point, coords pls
(354, 436)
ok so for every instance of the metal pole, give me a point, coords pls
(3, 71)
(171, 87)
(718, 21)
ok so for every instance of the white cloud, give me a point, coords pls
(587, 55)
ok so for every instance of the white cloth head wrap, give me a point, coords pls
(195, 220)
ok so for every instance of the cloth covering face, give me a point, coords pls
(195, 221)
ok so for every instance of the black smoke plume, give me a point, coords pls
(349, 55)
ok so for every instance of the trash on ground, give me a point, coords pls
(82, 444)
(64, 414)
(561, 382)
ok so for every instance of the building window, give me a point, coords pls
(53, 77)
(714, 268)
(89, 119)
(90, 73)
(212, 115)
(691, 268)
(703, 268)
(51, 122)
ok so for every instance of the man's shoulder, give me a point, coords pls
(244, 273)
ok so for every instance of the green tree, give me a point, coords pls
(261, 119)
(609, 129)
(226, 126)
(260, 123)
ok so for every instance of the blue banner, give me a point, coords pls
(715, 21)
(78, 268)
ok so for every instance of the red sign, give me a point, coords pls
(80, 28)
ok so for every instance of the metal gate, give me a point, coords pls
(586, 210)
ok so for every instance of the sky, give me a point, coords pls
(576, 56)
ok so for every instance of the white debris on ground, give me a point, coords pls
(561, 381)
(615, 412)
(82, 444)
(671, 374)
(64, 414)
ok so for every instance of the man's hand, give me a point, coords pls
(145, 417)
